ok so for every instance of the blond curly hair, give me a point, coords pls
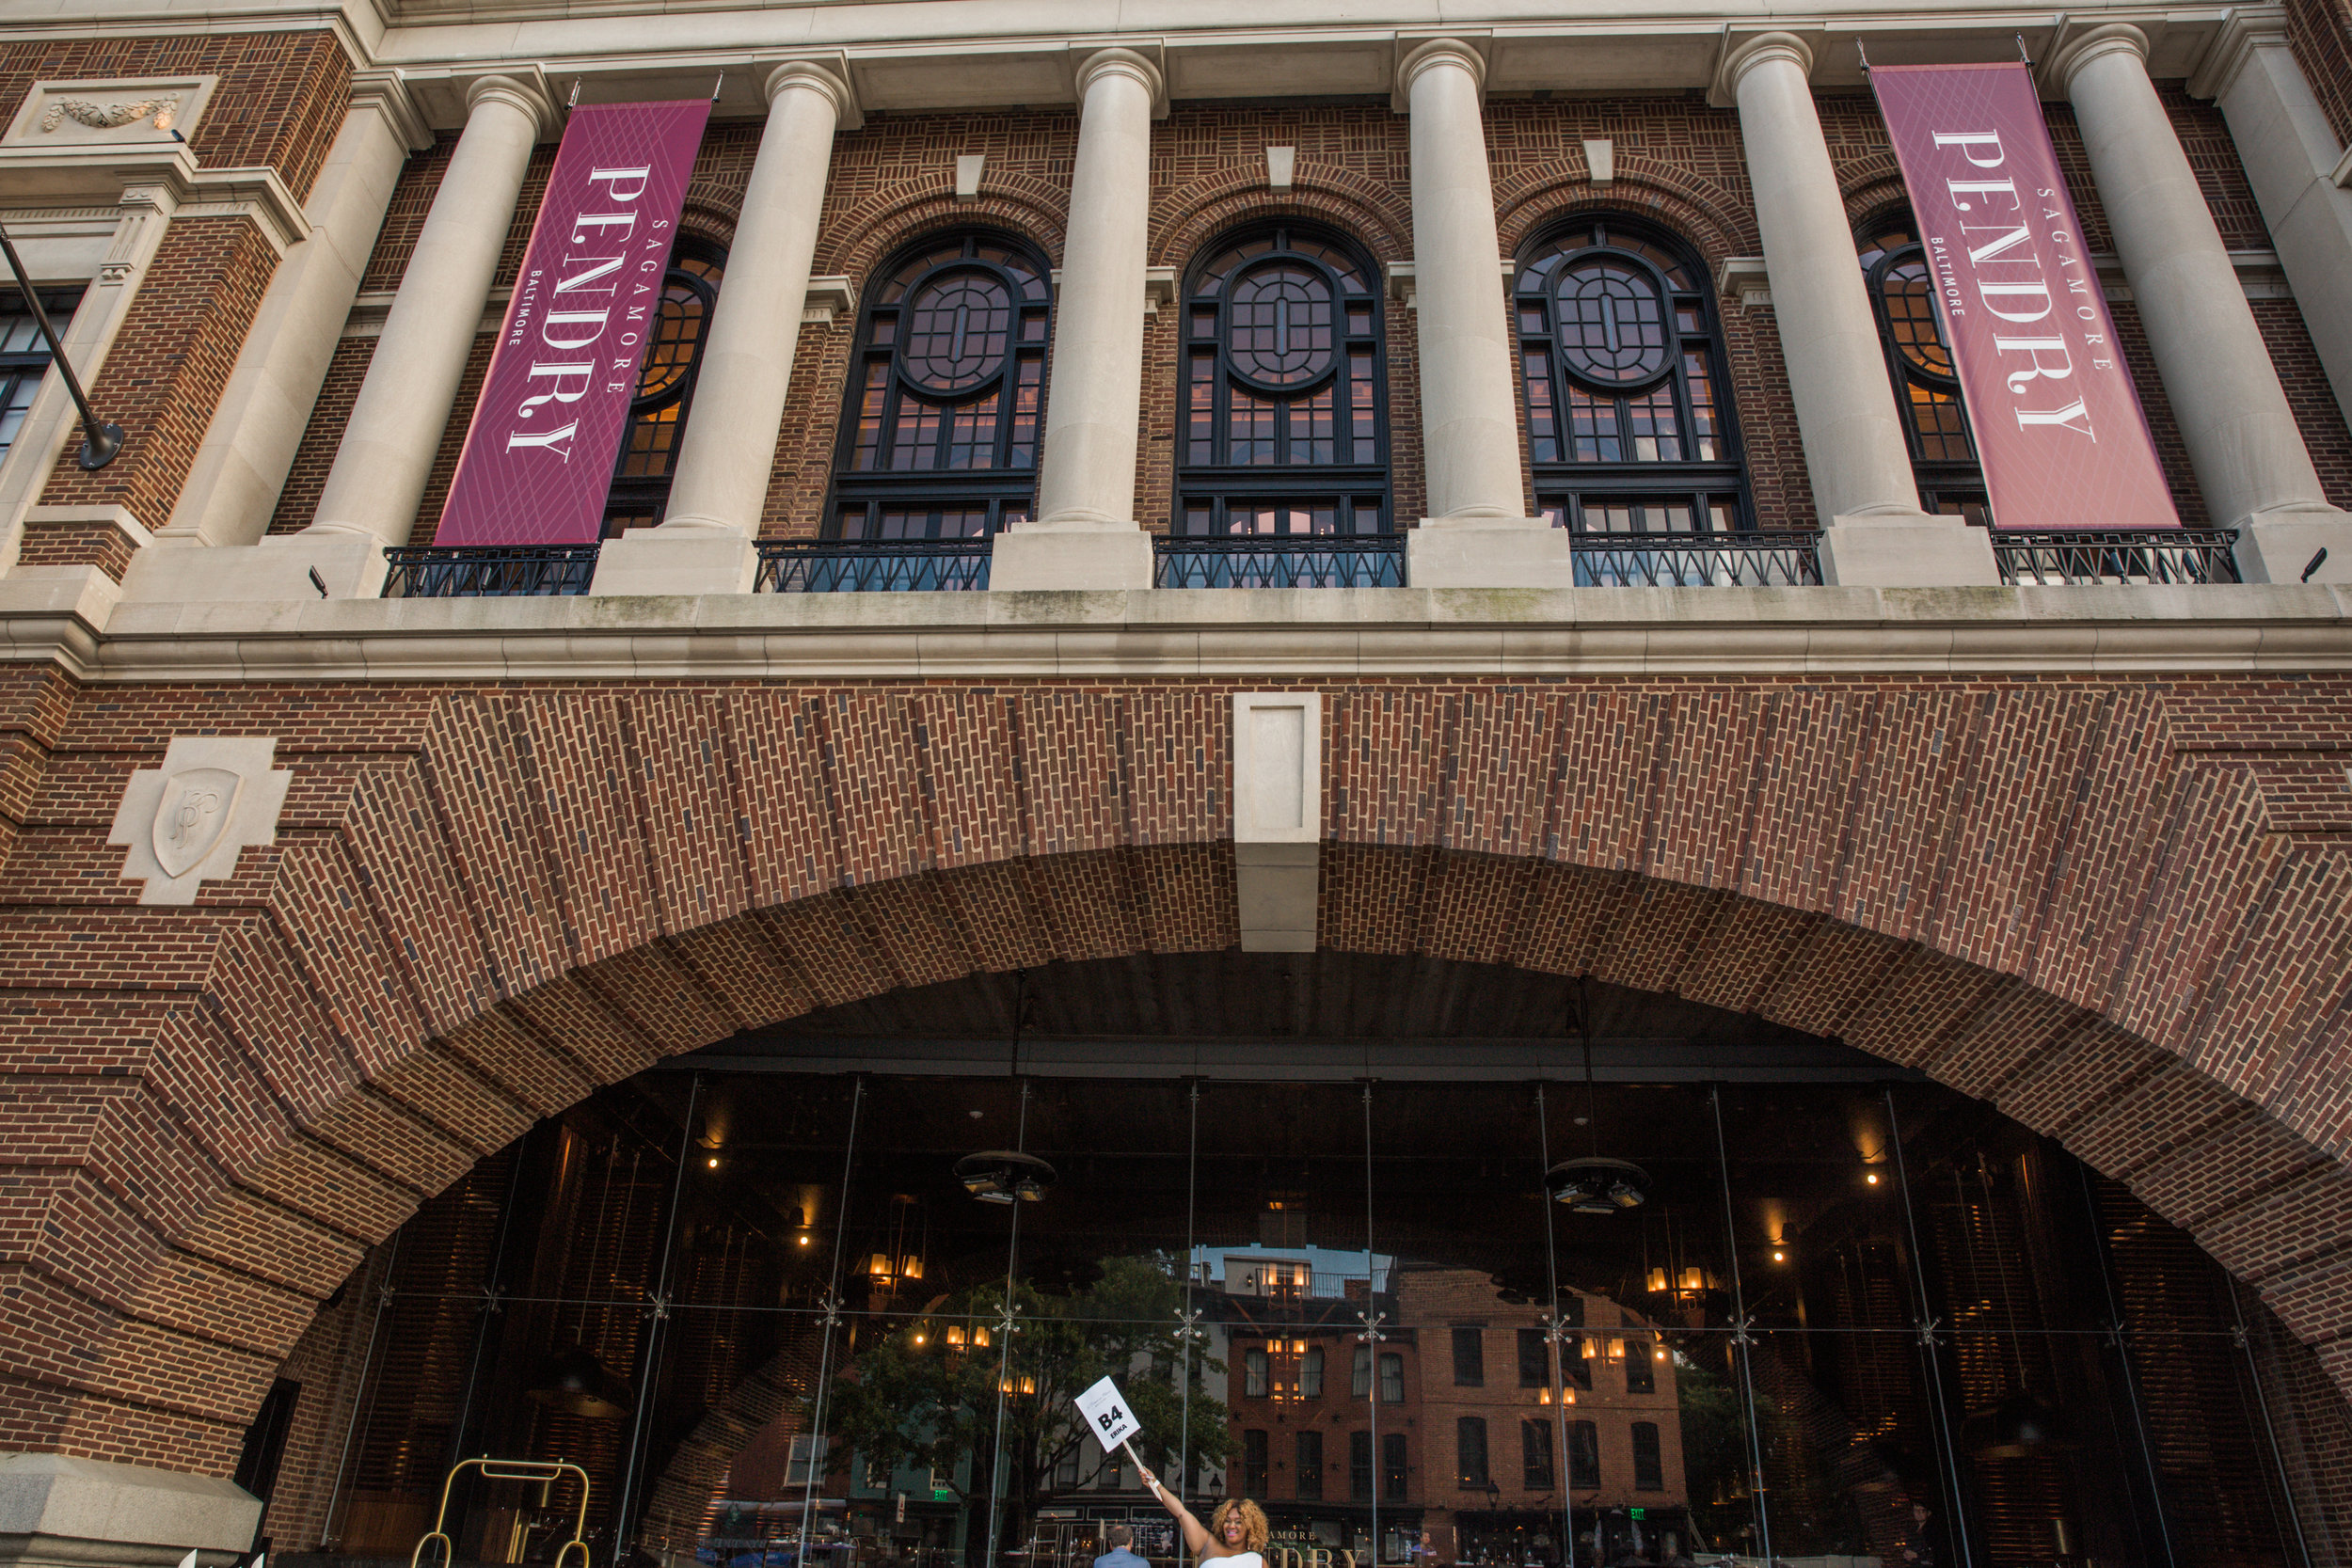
(1255, 1531)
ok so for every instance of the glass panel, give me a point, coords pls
(1612, 323)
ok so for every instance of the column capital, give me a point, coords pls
(1428, 56)
(2111, 37)
(526, 93)
(385, 91)
(1749, 54)
(1095, 65)
(827, 78)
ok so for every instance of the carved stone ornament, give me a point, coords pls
(187, 822)
(108, 117)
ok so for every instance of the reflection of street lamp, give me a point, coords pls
(1494, 1498)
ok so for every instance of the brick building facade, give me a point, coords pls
(2067, 841)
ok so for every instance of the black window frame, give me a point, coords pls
(1583, 1456)
(1307, 1483)
(1534, 1359)
(1360, 1465)
(1946, 484)
(940, 501)
(1210, 491)
(1566, 490)
(1537, 1469)
(1472, 1467)
(1395, 1455)
(696, 268)
(1640, 1367)
(1391, 1388)
(22, 368)
(1253, 1462)
(1470, 1355)
(1649, 1465)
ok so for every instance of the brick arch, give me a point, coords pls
(2119, 910)
(1872, 184)
(1190, 216)
(888, 221)
(1644, 186)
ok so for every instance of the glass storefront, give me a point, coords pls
(839, 1317)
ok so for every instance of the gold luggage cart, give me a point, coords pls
(509, 1469)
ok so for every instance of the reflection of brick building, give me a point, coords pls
(1457, 1423)
(1504, 1427)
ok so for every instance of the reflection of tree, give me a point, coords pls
(1714, 1454)
(908, 1405)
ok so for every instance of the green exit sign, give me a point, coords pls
(1638, 1513)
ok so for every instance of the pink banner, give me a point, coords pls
(2058, 423)
(538, 457)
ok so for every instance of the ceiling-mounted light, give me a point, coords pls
(1594, 1185)
(1004, 1175)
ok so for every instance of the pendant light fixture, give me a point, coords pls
(1593, 1184)
(1008, 1175)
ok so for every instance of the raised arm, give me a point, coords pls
(1197, 1537)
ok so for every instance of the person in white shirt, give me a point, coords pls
(1236, 1532)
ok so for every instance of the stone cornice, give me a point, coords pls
(92, 173)
(78, 626)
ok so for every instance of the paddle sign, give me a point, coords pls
(1107, 1415)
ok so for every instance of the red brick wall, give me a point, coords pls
(2320, 33)
(2116, 909)
(169, 365)
(279, 103)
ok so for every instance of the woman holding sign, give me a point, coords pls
(1236, 1532)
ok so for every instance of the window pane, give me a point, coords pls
(1309, 1480)
(1469, 1450)
(1470, 1357)
(1536, 1455)
(1649, 1473)
(1584, 1455)
(1534, 1359)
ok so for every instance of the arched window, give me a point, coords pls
(1935, 421)
(940, 430)
(1285, 396)
(665, 388)
(1629, 424)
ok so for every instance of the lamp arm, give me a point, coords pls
(100, 441)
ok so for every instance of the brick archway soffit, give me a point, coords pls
(888, 221)
(1191, 216)
(2117, 913)
(1642, 186)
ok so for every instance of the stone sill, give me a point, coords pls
(1302, 632)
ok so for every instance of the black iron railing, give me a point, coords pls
(488, 571)
(1280, 560)
(2139, 557)
(871, 566)
(1696, 560)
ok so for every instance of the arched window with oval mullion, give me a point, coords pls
(938, 434)
(665, 388)
(1935, 420)
(1629, 428)
(1284, 411)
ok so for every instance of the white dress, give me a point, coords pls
(1239, 1559)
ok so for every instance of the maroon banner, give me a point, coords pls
(2058, 423)
(538, 457)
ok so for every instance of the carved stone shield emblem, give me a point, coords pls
(195, 809)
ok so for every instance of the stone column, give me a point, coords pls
(1478, 533)
(1875, 532)
(2291, 155)
(705, 542)
(1084, 533)
(234, 485)
(373, 491)
(2242, 437)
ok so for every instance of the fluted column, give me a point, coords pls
(704, 544)
(1084, 534)
(404, 403)
(1478, 532)
(250, 447)
(2234, 415)
(1874, 530)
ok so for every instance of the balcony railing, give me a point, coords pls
(2140, 558)
(1696, 560)
(488, 571)
(871, 566)
(1280, 560)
